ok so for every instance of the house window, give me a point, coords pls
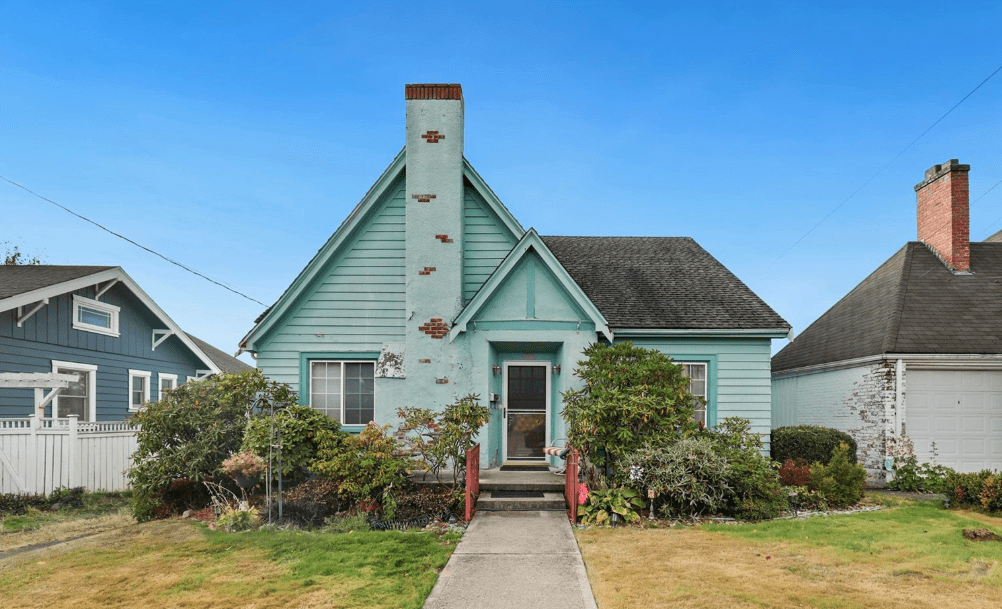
(697, 387)
(139, 388)
(94, 316)
(344, 391)
(80, 397)
(168, 382)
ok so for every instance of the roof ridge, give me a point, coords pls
(890, 341)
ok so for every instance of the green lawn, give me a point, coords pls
(94, 505)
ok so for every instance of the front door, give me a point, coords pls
(527, 407)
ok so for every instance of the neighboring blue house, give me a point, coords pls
(431, 290)
(94, 324)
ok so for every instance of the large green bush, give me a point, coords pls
(184, 438)
(809, 442)
(299, 426)
(632, 397)
(981, 489)
(756, 492)
(363, 467)
(688, 478)
(840, 481)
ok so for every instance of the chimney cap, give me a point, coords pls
(433, 91)
(937, 171)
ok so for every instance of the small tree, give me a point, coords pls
(14, 256)
(632, 397)
(299, 426)
(441, 438)
(190, 432)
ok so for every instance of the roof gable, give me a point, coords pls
(35, 283)
(530, 284)
(662, 283)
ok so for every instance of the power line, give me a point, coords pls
(123, 237)
(889, 163)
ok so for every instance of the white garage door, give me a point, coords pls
(961, 412)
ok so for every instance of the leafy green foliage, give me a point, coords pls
(982, 489)
(755, 490)
(236, 519)
(347, 523)
(991, 494)
(299, 426)
(443, 438)
(364, 466)
(603, 504)
(687, 478)
(632, 397)
(910, 476)
(809, 442)
(842, 482)
(190, 432)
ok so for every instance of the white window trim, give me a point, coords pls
(161, 377)
(91, 371)
(706, 388)
(343, 362)
(79, 301)
(146, 374)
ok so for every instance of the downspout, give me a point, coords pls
(899, 397)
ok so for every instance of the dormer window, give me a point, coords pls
(95, 316)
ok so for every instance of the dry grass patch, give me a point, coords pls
(176, 564)
(912, 556)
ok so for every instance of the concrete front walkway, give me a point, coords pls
(515, 560)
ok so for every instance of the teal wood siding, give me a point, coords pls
(740, 377)
(49, 335)
(358, 302)
(486, 242)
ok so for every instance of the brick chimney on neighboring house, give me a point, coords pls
(943, 222)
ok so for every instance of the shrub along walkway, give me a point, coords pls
(514, 559)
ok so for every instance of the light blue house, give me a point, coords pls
(92, 333)
(431, 290)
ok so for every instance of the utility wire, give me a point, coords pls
(106, 229)
(889, 163)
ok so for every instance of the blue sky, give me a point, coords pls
(235, 136)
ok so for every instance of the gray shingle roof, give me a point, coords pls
(20, 278)
(225, 361)
(661, 283)
(912, 304)
(996, 238)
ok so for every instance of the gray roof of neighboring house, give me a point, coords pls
(20, 278)
(225, 362)
(996, 238)
(661, 283)
(913, 303)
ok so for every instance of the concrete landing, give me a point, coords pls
(515, 559)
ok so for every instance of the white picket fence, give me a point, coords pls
(38, 455)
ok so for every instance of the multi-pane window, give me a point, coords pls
(139, 388)
(344, 391)
(697, 387)
(94, 316)
(168, 382)
(78, 398)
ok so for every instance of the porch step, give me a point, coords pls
(549, 501)
(492, 479)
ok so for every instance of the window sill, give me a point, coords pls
(96, 330)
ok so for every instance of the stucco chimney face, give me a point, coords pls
(943, 200)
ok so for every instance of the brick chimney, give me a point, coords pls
(943, 222)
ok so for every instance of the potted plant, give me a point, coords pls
(244, 467)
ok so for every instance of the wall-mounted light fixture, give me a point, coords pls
(556, 369)
(496, 369)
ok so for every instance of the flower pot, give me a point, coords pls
(246, 482)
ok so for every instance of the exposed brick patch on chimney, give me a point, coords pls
(428, 270)
(443, 238)
(943, 200)
(433, 91)
(432, 137)
(423, 198)
(435, 328)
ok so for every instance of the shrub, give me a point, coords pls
(915, 478)
(236, 519)
(687, 478)
(991, 493)
(795, 472)
(361, 466)
(842, 482)
(965, 488)
(451, 434)
(809, 442)
(299, 426)
(631, 396)
(189, 432)
(755, 491)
